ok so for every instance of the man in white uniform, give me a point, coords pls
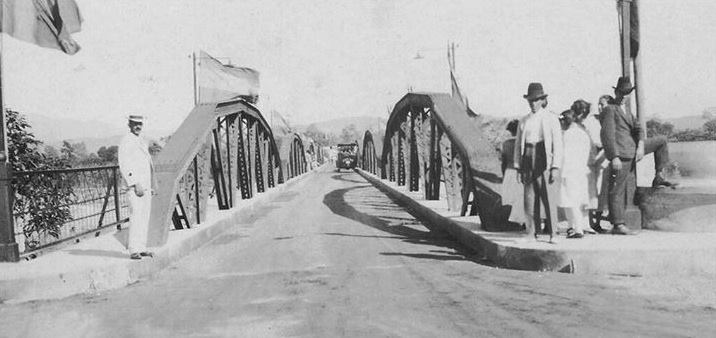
(135, 163)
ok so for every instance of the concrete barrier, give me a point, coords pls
(650, 253)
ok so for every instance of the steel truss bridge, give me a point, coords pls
(432, 145)
(225, 150)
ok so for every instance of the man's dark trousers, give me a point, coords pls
(618, 191)
(657, 145)
(536, 197)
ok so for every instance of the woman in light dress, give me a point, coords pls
(574, 182)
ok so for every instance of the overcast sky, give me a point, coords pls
(325, 59)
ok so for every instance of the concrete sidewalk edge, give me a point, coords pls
(126, 272)
(624, 262)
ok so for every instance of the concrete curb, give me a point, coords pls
(23, 282)
(630, 262)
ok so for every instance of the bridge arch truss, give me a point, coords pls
(226, 150)
(370, 156)
(432, 145)
(293, 153)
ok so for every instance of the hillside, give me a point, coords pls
(335, 126)
(689, 122)
(53, 130)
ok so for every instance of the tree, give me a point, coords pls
(51, 152)
(350, 134)
(710, 128)
(319, 137)
(108, 155)
(655, 127)
(76, 154)
(690, 135)
(41, 200)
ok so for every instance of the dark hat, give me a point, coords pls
(534, 92)
(624, 86)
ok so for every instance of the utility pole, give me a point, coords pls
(625, 19)
(638, 77)
(9, 251)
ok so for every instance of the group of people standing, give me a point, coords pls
(581, 159)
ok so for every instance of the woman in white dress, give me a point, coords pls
(511, 189)
(574, 183)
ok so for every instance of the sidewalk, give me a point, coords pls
(102, 263)
(649, 253)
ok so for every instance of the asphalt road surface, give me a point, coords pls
(334, 257)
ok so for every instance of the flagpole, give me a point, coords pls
(193, 68)
(9, 250)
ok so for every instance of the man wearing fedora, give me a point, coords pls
(624, 144)
(538, 149)
(135, 164)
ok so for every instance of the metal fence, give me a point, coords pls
(56, 206)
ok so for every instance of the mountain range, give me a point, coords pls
(95, 134)
(336, 125)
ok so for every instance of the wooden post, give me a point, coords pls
(9, 250)
(638, 77)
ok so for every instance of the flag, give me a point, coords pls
(456, 93)
(46, 23)
(218, 82)
(633, 29)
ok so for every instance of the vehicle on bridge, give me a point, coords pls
(347, 157)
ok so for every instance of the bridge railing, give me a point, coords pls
(52, 207)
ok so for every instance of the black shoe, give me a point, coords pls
(659, 182)
(598, 228)
(146, 254)
(621, 229)
(135, 256)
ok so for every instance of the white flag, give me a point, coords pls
(218, 82)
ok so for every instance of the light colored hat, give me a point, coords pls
(136, 118)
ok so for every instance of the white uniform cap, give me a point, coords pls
(136, 118)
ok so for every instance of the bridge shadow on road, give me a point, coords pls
(346, 177)
(377, 211)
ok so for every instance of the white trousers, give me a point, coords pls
(577, 217)
(139, 221)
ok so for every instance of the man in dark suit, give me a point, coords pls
(623, 141)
